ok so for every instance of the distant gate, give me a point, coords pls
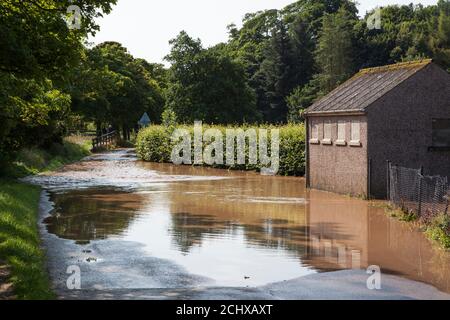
(104, 141)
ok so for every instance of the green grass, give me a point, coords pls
(19, 240)
(437, 229)
(19, 237)
(397, 213)
(32, 161)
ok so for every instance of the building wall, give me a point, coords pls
(400, 126)
(340, 169)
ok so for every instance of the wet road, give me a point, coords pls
(154, 230)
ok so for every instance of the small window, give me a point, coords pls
(441, 133)
(327, 133)
(314, 133)
(356, 134)
(341, 136)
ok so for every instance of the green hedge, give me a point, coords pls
(154, 144)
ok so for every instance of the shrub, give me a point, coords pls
(154, 144)
(292, 150)
(439, 230)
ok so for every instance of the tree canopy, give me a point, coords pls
(37, 53)
(113, 88)
(207, 84)
(269, 70)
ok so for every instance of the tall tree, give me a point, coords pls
(278, 73)
(440, 40)
(37, 52)
(335, 49)
(117, 88)
(207, 85)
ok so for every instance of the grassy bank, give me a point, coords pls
(19, 240)
(19, 237)
(154, 144)
(32, 161)
(436, 228)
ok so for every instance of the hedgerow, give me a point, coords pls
(154, 144)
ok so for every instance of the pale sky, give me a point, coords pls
(146, 26)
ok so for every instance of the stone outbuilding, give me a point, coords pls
(399, 113)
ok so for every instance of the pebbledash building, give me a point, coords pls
(399, 113)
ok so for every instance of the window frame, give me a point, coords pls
(341, 141)
(355, 142)
(314, 128)
(327, 124)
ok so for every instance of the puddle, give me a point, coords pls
(232, 228)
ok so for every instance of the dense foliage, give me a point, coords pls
(38, 52)
(113, 88)
(269, 70)
(155, 144)
(207, 85)
(295, 55)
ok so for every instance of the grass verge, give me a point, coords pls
(19, 240)
(32, 161)
(19, 202)
(436, 228)
(439, 230)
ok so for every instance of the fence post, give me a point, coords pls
(388, 180)
(369, 179)
(447, 203)
(419, 210)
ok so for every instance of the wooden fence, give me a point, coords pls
(104, 141)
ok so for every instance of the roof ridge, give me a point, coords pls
(396, 66)
(366, 87)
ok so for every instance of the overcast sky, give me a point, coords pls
(146, 26)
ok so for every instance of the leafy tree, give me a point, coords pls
(335, 50)
(301, 98)
(207, 85)
(257, 45)
(114, 88)
(278, 73)
(440, 40)
(37, 52)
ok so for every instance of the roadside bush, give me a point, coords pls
(292, 150)
(439, 230)
(154, 144)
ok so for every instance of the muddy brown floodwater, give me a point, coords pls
(221, 228)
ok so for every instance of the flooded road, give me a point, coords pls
(134, 225)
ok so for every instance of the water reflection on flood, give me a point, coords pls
(248, 230)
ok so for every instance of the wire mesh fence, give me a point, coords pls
(410, 190)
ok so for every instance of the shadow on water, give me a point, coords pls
(86, 215)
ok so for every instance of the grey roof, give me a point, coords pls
(367, 86)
